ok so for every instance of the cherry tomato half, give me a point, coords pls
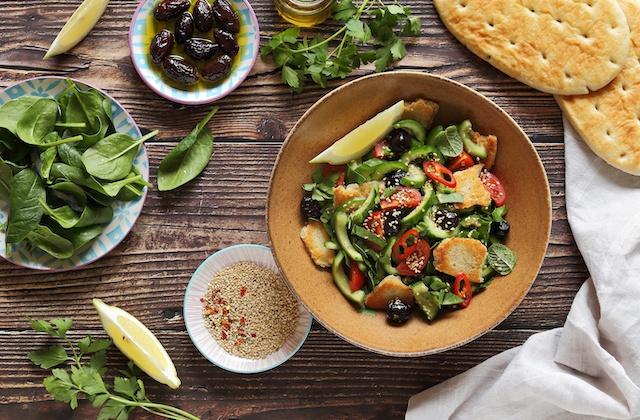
(403, 197)
(332, 169)
(375, 223)
(405, 246)
(460, 162)
(462, 288)
(494, 186)
(439, 173)
(356, 277)
(381, 149)
(417, 261)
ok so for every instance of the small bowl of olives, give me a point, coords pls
(194, 52)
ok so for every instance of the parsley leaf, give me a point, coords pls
(371, 33)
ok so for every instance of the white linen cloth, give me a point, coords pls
(589, 368)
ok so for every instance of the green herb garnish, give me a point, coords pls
(85, 377)
(303, 60)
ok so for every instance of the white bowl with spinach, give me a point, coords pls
(73, 173)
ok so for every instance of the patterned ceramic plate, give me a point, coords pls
(143, 29)
(124, 213)
(198, 332)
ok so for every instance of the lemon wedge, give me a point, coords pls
(77, 27)
(137, 343)
(358, 141)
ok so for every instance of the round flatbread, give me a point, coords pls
(608, 120)
(563, 47)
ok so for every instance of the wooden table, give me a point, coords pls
(148, 272)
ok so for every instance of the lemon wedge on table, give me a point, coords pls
(77, 27)
(137, 343)
(358, 141)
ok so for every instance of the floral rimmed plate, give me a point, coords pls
(143, 29)
(198, 332)
(125, 214)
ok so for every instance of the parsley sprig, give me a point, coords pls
(87, 366)
(320, 59)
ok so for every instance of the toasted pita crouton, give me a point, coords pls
(460, 255)
(314, 237)
(473, 192)
(389, 288)
(490, 143)
(342, 193)
(421, 110)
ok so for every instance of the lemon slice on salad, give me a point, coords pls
(357, 142)
(137, 343)
(77, 27)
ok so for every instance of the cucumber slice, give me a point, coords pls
(416, 129)
(475, 150)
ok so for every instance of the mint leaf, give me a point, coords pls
(501, 258)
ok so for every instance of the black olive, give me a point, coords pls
(180, 70)
(200, 48)
(445, 219)
(400, 140)
(203, 16)
(392, 222)
(217, 68)
(225, 16)
(169, 9)
(393, 180)
(310, 208)
(184, 27)
(397, 311)
(500, 229)
(227, 41)
(161, 45)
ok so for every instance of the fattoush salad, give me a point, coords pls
(418, 220)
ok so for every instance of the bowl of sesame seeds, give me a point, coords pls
(240, 313)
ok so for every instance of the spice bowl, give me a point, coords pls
(202, 338)
(142, 31)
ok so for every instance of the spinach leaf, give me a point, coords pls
(11, 111)
(47, 158)
(73, 190)
(37, 121)
(55, 245)
(25, 211)
(189, 158)
(79, 236)
(5, 180)
(501, 258)
(87, 107)
(67, 217)
(112, 158)
(70, 155)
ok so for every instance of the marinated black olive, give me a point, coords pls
(445, 219)
(217, 68)
(200, 48)
(169, 9)
(225, 16)
(203, 16)
(397, 311)
(184, 27)
(392, 222)
(400, 140)
(500, 229)
(393, 180)
(161, 45)
(310, 208)
(227, 41)
(180, 70)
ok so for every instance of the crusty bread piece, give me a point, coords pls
(314, 237)
(473, 192)
(607, 120)
(342, 193)
(563, 47)
(389, 288)
(490, 143)
(460, 255)
(421, 110)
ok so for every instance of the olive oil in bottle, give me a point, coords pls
(305, 13)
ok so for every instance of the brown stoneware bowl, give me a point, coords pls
(517, 166)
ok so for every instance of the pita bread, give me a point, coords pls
(608, 120)
(563, 47)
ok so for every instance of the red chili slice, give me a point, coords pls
(417, 261)
(462, 288)
(439, 173)
(405, 246)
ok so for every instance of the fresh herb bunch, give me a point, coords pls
(304, 59)
(88, 367)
